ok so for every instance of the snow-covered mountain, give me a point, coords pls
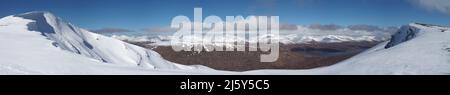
(294, 38)
(303, 34)
(40, 42)
(414, 49)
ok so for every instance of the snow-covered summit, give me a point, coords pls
(410, 31)
(41, 42)
(415, 49)
(71, 38)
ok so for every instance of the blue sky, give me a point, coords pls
(140, 14)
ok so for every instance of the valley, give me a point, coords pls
(292, 56)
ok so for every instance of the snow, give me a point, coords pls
(71, 38)
(44, 44)
(41, 43)
(302, 35)
(406, 33)
(425, 54)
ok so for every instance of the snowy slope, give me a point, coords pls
(40, 43)
(427, 52)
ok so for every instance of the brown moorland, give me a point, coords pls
(292, 56)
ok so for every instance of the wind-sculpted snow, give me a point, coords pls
(40, 23)
(404, 34)
(408, 32)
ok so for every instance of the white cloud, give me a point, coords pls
(111, 30)
(436, 5)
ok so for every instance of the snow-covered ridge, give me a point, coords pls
(425, 53)
(410, 31)
(415, 49)
(77, 40)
